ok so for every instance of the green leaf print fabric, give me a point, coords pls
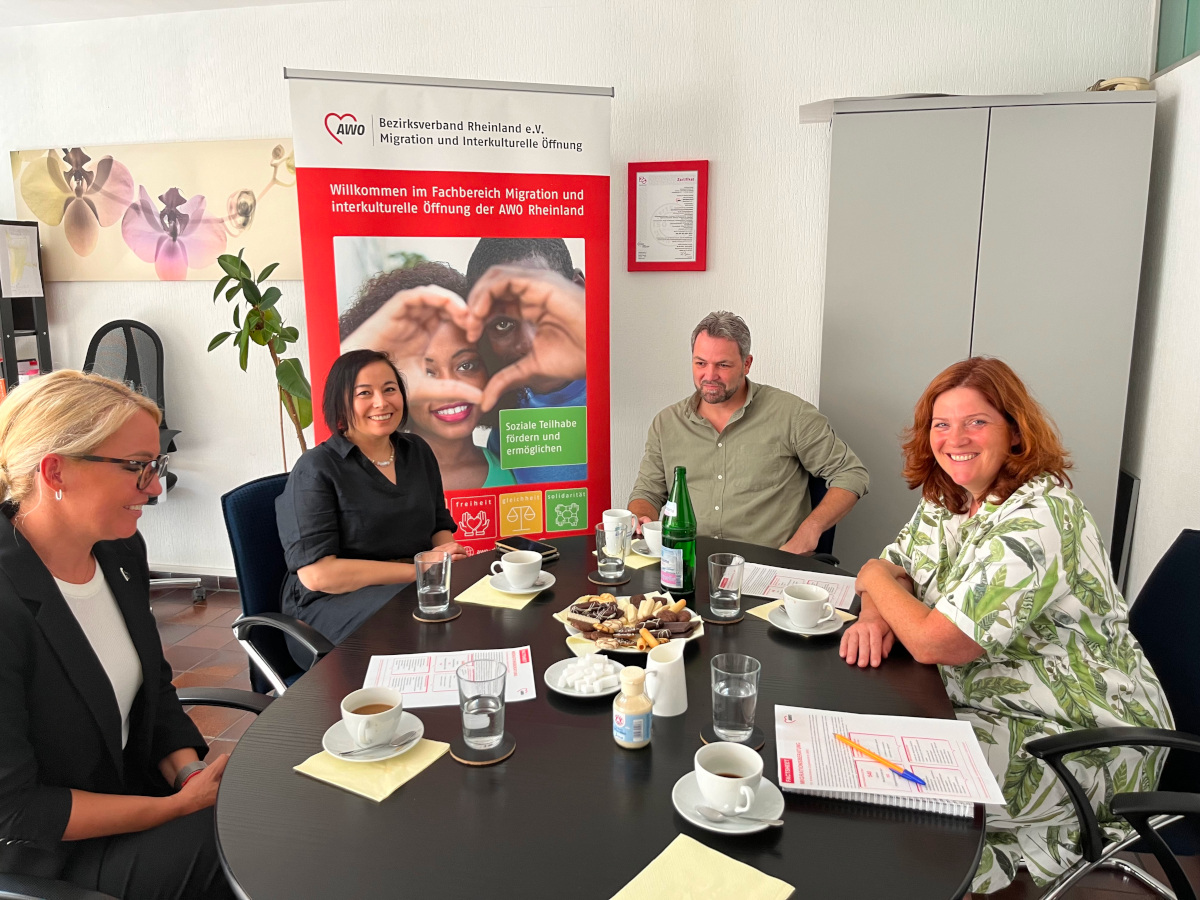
(1029, 581)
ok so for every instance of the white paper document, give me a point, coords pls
(428, 679)
(943, 752)
(769, 581)
(666, 216)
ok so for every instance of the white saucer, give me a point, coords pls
(779, 618)
(641, 548)
(544, 581)
(337, 741)
(768, 804)
(553, 675)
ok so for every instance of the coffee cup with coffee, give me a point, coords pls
(520, 568)
(728, 776)
(807, 605)
(372, 715)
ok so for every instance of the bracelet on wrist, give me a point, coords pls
(187, 771)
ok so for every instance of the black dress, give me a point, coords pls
(338, 503)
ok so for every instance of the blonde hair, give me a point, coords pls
(66, 412)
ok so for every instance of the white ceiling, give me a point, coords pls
(44, 12)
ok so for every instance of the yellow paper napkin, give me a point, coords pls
(636, 560)
(483, 594)
(688, 870)
(581, 646)
(765, 610)
(376, 780)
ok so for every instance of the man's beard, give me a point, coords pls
(723, 393)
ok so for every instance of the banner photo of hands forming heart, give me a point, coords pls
(465, 231)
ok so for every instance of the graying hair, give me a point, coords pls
(727, 325)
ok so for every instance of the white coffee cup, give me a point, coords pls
(373, 729)
(728, 776)
(520, 567)
(652, 532)
(807, 605)
(612, 519)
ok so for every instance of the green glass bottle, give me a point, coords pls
(678, 573)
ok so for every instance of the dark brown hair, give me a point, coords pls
(379, 289)
(1039, 449)
(337, 404)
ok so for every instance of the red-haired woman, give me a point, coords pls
(1002, 580)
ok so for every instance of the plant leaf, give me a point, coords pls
(290, 375)
(232, 292)
(219, 340)
(237, 317)
(266, 273)
(221, 286)
(244, 344)
(234, 266)
(290, 334)
(304, 410)
(280, 345)
(252, 293)
(270, 297)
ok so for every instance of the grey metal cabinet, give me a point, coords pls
(1001, 226)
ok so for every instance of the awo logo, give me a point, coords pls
(340, 125)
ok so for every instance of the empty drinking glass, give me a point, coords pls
(433, 581)
(725, 585)
(735, 694)
(481, 699)
(612, 546)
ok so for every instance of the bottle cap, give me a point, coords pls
(632, 675)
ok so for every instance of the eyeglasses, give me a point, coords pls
(146, 469)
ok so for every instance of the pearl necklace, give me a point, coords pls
(383, 463)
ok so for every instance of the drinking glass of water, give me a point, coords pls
(725, 585)
(481, 699)
(433, 581)
(612, 546)
(735, 694)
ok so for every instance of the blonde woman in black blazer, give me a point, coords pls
(101, 782)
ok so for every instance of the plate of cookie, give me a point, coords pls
(634, 624)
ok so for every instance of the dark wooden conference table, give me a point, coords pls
(571, 814)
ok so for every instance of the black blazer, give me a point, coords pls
(60, 727)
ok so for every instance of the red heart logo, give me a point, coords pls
(339, 117)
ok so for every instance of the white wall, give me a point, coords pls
(694, 78)
(1162, 426)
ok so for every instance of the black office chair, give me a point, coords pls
(260, 565)
(1166, 621)
(817, 489)
(132, 353)
(29, 887)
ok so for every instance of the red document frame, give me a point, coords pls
(700, 264)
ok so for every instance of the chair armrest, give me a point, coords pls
(1052, 749)
(301, 632)
(233, 698)
(828, 558)
(1140, 808)
(28, 887)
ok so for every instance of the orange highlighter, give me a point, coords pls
(895, 767)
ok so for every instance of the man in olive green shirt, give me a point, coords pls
(749, 449)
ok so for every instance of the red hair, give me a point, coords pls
(1039, 449)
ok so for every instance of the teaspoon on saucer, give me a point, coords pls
(715, 815)
(394, 742)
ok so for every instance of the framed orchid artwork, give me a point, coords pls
(142, 212)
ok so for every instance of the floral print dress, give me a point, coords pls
(1029, 581)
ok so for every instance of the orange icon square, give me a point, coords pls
(521, 513)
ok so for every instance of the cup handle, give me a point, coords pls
(493, 567)
(829, 615)
(650, 689)
(746, 800)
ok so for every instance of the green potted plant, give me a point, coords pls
(261, 323)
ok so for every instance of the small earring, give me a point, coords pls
(58, 494)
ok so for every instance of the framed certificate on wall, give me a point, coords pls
(668, 216)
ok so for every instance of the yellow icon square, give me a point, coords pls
(521, 513)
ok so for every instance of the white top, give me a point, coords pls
(96, 610)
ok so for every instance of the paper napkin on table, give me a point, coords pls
(765, 610)
(581, 646)
(688, 870)
(483, 594)
(374, 780)
(637, 561)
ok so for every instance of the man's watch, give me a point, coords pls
(187, 771)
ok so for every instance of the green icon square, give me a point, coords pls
(566, 510)
(530, 438)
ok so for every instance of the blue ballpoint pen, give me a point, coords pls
(895, 767)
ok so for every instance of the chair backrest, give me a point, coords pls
(261, 567)
(131, 352)
(817, 488)
(1166, 621)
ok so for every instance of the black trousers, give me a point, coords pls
(175, 861)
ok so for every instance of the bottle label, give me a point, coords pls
(671, 568)
(632, 729)
(669, 509)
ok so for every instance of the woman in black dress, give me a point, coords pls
(358, 507)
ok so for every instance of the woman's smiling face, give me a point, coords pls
(450, 356)
(970, 438)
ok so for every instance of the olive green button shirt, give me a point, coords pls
(750, 481)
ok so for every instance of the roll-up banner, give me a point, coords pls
(462, 226)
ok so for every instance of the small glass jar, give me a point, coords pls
(632, 710)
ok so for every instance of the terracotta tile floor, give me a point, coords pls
(199, 644)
